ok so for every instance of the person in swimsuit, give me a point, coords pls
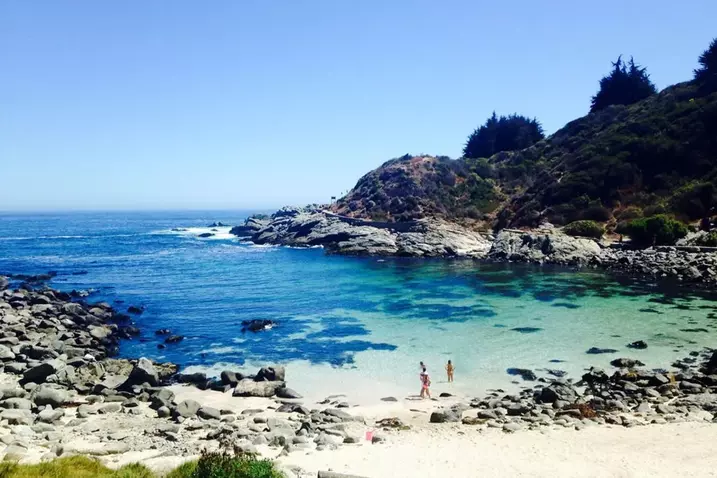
(425, 384)
(449, 371)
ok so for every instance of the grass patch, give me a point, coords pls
(209, 465)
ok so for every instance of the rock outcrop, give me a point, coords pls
(307, 227)
(547, 246)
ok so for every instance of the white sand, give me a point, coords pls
(674, 450)
(454, 450)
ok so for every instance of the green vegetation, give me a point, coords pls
(505, 133)
(626, 84)
(72, 467)
(659, 230)
(708, 240)
(209, 465)
(706, 75)
(584, 228)
(653, 156)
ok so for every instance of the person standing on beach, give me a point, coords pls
(425, 384)
(449, 371)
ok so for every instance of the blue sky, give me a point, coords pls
(261, 103)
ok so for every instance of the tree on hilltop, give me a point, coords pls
(707, 74)
(504, 133)
(626, 84)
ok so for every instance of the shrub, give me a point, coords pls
(224, 465)
(659, 230)
(584, 229)
(630, 212)
(709, 240)
(706, 76)
(628, 83)
(504, 133)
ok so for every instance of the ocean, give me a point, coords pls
(349, 325)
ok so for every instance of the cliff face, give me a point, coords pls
(658, 155)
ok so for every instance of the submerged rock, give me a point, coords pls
(639, 344)
(597, 351)
(524, 373)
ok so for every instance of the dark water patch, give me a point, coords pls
(504, 292)
(650, 311)
(544, 296)
(682, 307)
(556, 361)
(615, 336)
(662, 300)
(339, 330)
(499, 325)
(566, 305)
(526, 330)
(398, 306)
(597, 351)
(698, 329)
(524, 373)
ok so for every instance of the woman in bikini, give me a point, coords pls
(425, 384)
(449, 371)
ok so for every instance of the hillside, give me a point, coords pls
(657, 155)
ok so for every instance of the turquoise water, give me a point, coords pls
(351, 325)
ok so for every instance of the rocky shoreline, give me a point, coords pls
(314, 226)
(62, 393)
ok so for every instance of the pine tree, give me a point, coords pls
(504, 133)
(628, 83)
(706, 76)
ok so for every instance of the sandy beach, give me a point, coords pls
(681, 449)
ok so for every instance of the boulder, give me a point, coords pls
(16, 403)
(524, 373)
(48, 395)
(711, 365)
(39, 373)
(251, 388)
(6, 354)
(142, 372)
(558, 390)
(288, 393)
(187, 408)
(626, 363)
(174, 339)
(445, 416)
(209, 413)
(639, 344)
(271, 374)
(230, 378)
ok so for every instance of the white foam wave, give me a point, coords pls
(217, 233)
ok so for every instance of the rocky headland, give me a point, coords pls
(317, 227)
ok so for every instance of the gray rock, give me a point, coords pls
(16, 404)
(512, 427)
(444, 416)
(110, 408)
(250, 388)
(287, 393)
(276, 373)
(143, 372)
(39, 373)
(187, 408)
(49, 395)
(48, 415)
(17, 417)
(209, 413)
(6, 354)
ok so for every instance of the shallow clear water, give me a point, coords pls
(351, 325)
